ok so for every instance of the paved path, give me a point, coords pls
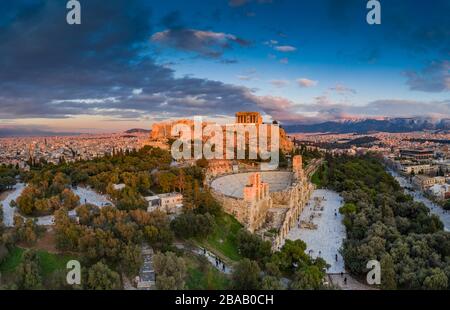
(8, 211)
(350, 285)
(221, 266)
(326, 240)
(419, 197)
(90, 196)
(85, 194)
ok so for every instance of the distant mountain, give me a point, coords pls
(138, 130)
(394, 125)
(32, 132)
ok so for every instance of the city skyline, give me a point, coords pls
(133, 64)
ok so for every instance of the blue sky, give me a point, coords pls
(134, 63)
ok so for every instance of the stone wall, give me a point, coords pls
(270, 214)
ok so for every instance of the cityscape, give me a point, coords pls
(351, 99)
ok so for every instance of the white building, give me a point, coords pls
(440, 191)
(417, 169)
(119, 187)
(170, 203)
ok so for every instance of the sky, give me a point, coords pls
(132, 63)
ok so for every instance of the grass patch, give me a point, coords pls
(50, 262)
(202, 276)
(13, 260)
(320, 177)
(223, 240)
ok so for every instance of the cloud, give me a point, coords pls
(205, 43)
(285, 48)
(271, 43)
(405, 108)
(245, 77)
(279, 83)
(228, 61)
(87, 101)
(342, 89)
(278, 108)
(435, 77)
(238, 3)
(324, 109)
(306, 83)
(137, 91)
(102, 67)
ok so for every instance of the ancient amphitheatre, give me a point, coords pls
(268, 203)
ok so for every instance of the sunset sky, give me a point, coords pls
(131, 63)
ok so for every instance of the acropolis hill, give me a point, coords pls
(161, 132)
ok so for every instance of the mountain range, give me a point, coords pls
(394, 125)
(138, 130)
(32, 132)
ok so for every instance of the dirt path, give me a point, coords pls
(46, 242)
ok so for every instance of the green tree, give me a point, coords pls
(291, 256)
(436, 281)
(28, 272)
(253, 247)
(131, 259)
(308, 278)
(26, 230)
(190, 225)
(171, 271)
(246, 275)
(271, 283)
(101, 277)
(388, 278)
(69, 199)
(167, 181)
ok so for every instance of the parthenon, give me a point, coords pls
(248, 118)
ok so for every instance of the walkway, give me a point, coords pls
(213, 259)
(86, 196)
(350, 285)
(321, 228)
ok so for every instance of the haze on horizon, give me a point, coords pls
(132, 63)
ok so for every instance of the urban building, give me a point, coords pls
(416, 154)
(170, 203)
